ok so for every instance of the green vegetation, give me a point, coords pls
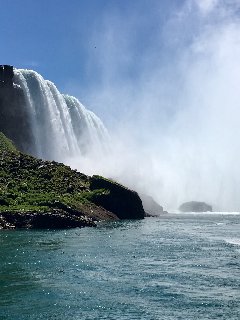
(6, 144)
(29, 186)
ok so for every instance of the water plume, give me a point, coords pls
(176, 136)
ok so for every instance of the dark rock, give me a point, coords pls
(1, 74)
(123, 202)
(3, 202)
(70, 188)
(55, 219)
(151, 207)
(60, 205)
(195, 206)
(15, 120)
(6, 76)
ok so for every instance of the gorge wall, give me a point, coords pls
(14, 117)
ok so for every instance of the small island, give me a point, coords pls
(195, 206)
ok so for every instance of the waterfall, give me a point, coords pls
(60, 125)
(91, 132)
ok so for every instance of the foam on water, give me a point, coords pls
(207, 212)
(235, 241)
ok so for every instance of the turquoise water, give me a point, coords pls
(172, 267)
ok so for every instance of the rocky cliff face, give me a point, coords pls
(6, 75)
(14, 118)
(151, 207)
(125, 203)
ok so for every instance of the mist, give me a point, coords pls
(171, 103)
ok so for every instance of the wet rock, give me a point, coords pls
(114, 197)
(151, 207)
(195, 206)
(6, 76)
(55, 219)
(15, 120)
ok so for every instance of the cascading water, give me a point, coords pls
(91, 132)
(60, 125)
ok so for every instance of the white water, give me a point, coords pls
(235, 241)
(61, 126)
(226, 213)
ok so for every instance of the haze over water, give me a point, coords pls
(174, 121)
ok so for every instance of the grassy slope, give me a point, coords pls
(6, 144)
(30, 184)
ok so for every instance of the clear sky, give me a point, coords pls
(73, 42)
(60, 39)
(90, 47)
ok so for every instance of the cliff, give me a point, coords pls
(14, 114)
(151, 207)
(112, 198)
(44, 194)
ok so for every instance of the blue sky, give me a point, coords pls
(62, 40)
(57, 37)
(93, 48)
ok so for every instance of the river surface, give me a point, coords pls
(178, 266)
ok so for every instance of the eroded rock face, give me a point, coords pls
(123, 202)
(195, 206)
(6, 76)
(14, 117)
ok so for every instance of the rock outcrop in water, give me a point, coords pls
(54, 219)
(151, 207)
(195, 206)
(44, 194)
(126, 204)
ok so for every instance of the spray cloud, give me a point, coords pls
(172, 102)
